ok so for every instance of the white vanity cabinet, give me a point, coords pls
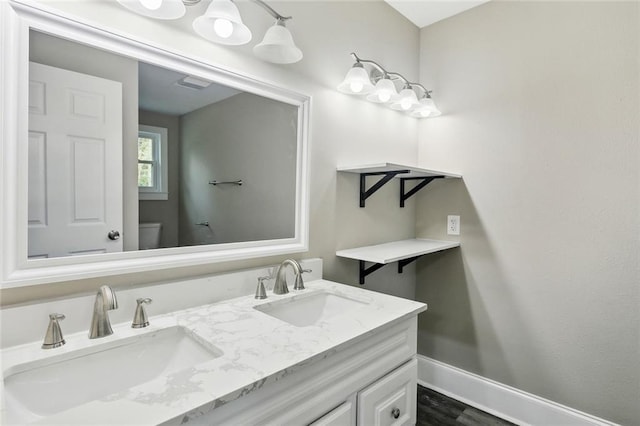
(369, 382)
(392, 399)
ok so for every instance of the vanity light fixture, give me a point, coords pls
(278, 46)
(380, 87)
(406, 99)
(426, 107)
(222, 23)
(157, 9)
(384, 91)
(357, 81)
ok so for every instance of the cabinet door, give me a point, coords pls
(390, 400)
(343, 415)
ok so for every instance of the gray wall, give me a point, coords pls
(63, 54)
(541, 115)
(165, 211)
(246, 137)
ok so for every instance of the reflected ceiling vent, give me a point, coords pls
(193, 83)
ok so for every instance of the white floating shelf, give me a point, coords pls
(413, 171)
(389, 171)
(403, 252)
(396, 250)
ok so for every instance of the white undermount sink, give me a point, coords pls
(309, 309)
(43, 388)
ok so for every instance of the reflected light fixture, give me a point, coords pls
(222, 23)
(380, 87)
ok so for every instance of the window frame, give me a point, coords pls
(160, 190)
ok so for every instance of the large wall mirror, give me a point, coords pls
(130, 158)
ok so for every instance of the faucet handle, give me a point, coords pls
(299, 284)
(53, 338)
(261, 293)
(140, 319)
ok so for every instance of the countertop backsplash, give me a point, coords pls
(28, 323)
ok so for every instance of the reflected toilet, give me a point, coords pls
(149, 235)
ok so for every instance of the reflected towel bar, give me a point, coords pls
(234, 182)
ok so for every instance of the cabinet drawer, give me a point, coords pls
(390, 400)
(343, 415)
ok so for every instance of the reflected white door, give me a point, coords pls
(75, 163)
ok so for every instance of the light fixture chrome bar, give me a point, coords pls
(390, 74)
(426, 93)
(264, 5)
(271, 11)
(398, 76)
(369, 61)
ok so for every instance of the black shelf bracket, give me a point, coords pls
(405, 195)
(364, 271)
(386, 177)
(404, 262)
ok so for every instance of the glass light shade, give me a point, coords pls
(406, 100)
(158, 9)
(221, 23)
(356, 82)
(425, 108)
(278, 46)
(151, 4)
(383, 92)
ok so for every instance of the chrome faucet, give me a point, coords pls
(280, 287)
(53, 338)
(105, 301)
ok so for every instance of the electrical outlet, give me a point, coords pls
(453, 225)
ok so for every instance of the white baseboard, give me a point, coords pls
(500, 400)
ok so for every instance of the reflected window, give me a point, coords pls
(152, 163)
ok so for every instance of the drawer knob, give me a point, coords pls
(395, 413)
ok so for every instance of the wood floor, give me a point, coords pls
(435, 409)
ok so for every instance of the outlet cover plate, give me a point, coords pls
(453, 225)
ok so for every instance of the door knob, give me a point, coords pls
(113, 235)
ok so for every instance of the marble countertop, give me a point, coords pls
(256, 349)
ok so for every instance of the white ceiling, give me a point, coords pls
(427, 12)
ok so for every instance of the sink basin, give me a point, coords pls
(309, 309)
(43, 388)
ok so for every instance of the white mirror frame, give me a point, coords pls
(17, 17)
